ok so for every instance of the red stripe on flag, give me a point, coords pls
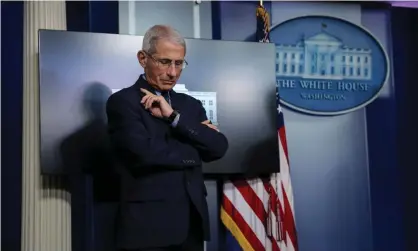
(253, 200)
(289, 221)
(283, 140)
(243, 226)
(274, 244)
(256, 204)
(276, 208)
(273, 196)
(281, 212)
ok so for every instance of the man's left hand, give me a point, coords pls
(208, 124)
(157, 105)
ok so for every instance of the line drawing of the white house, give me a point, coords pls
(208, 100)
(323, 56)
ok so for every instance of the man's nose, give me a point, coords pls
(172, 70)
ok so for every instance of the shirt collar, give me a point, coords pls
(145, 78)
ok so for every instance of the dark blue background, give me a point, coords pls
(11, 127)
(403, 133)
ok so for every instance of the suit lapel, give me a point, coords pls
(174, 100)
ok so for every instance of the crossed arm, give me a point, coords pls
(211, 144)
(139, 149)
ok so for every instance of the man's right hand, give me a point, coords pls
(208, 124)
(157, 105)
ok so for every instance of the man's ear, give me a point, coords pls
(142, 58)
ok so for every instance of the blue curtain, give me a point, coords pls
(11, 128)
(405, 52)
(384, 173)
(93, 16)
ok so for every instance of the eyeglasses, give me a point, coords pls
(165, 63)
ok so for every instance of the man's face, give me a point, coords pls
(164, 67)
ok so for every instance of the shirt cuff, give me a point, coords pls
(176, 121)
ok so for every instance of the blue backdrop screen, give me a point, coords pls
(78, 72)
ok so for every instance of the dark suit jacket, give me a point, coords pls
(160, 167)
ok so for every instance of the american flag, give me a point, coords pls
(258, 212)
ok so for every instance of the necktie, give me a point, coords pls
(166, 96)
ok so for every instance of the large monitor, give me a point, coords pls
(78, 72)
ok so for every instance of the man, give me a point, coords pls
(160, 139)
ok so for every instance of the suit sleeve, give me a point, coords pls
(212, 145)
(137, 148)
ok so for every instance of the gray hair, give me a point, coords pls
(158, 32)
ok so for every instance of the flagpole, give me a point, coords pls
(196, 18)
(131, 18)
